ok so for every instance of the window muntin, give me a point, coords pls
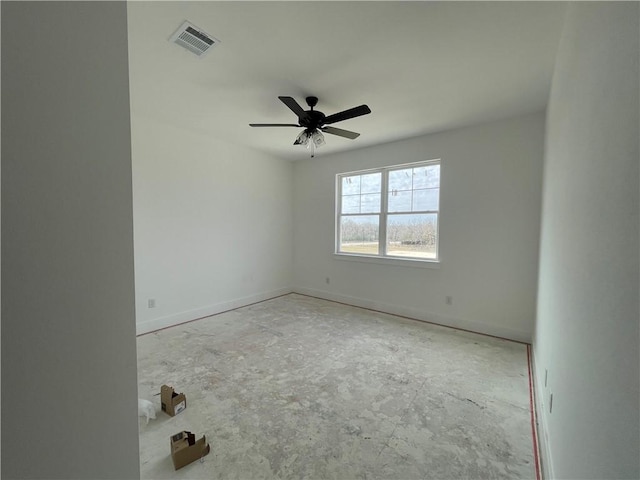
(390, 212)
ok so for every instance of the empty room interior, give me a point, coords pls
(363, 239)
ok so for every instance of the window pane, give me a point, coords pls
(400, 179)
(399, 201)
(420, 177)
(351, 185)
(426, 177)
(359, 234)
(371, 183)
(351, 204)
(412, 235)
(370, 203)
(425, 199)
(433, 176)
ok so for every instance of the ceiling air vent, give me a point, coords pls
(193, 39)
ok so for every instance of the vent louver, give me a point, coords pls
(193, 39)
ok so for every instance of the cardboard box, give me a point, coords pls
(186, 449)
(171, 402)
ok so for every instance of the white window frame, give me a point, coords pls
(382, 256)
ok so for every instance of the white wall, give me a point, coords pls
(489, 230)
(587, 326)
(212, 223)
(68, 329)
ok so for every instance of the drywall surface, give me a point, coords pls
(212, 222)
(489, 229)
(586, 333)
(68, 327)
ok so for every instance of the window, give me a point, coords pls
(390, 212)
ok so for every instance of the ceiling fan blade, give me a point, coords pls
(274, 125)
(294, 106)
(340, 132)
(347, 114)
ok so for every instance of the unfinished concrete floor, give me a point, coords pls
(298, 387)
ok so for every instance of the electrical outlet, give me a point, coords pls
(152, 303)
(448, 300)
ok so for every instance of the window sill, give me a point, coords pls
(402, 262)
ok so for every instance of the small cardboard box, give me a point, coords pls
(171, 402)
(186, 449)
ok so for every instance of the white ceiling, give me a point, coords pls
(422, 67)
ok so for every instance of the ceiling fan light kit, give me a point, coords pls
(315, 122)
(304, 137)
(316, 137)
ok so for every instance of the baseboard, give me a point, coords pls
(190, 315)
(472, 326)
(544, 448)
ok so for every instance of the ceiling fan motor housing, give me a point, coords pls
(312, 120)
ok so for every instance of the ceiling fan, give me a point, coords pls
(315, 122)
